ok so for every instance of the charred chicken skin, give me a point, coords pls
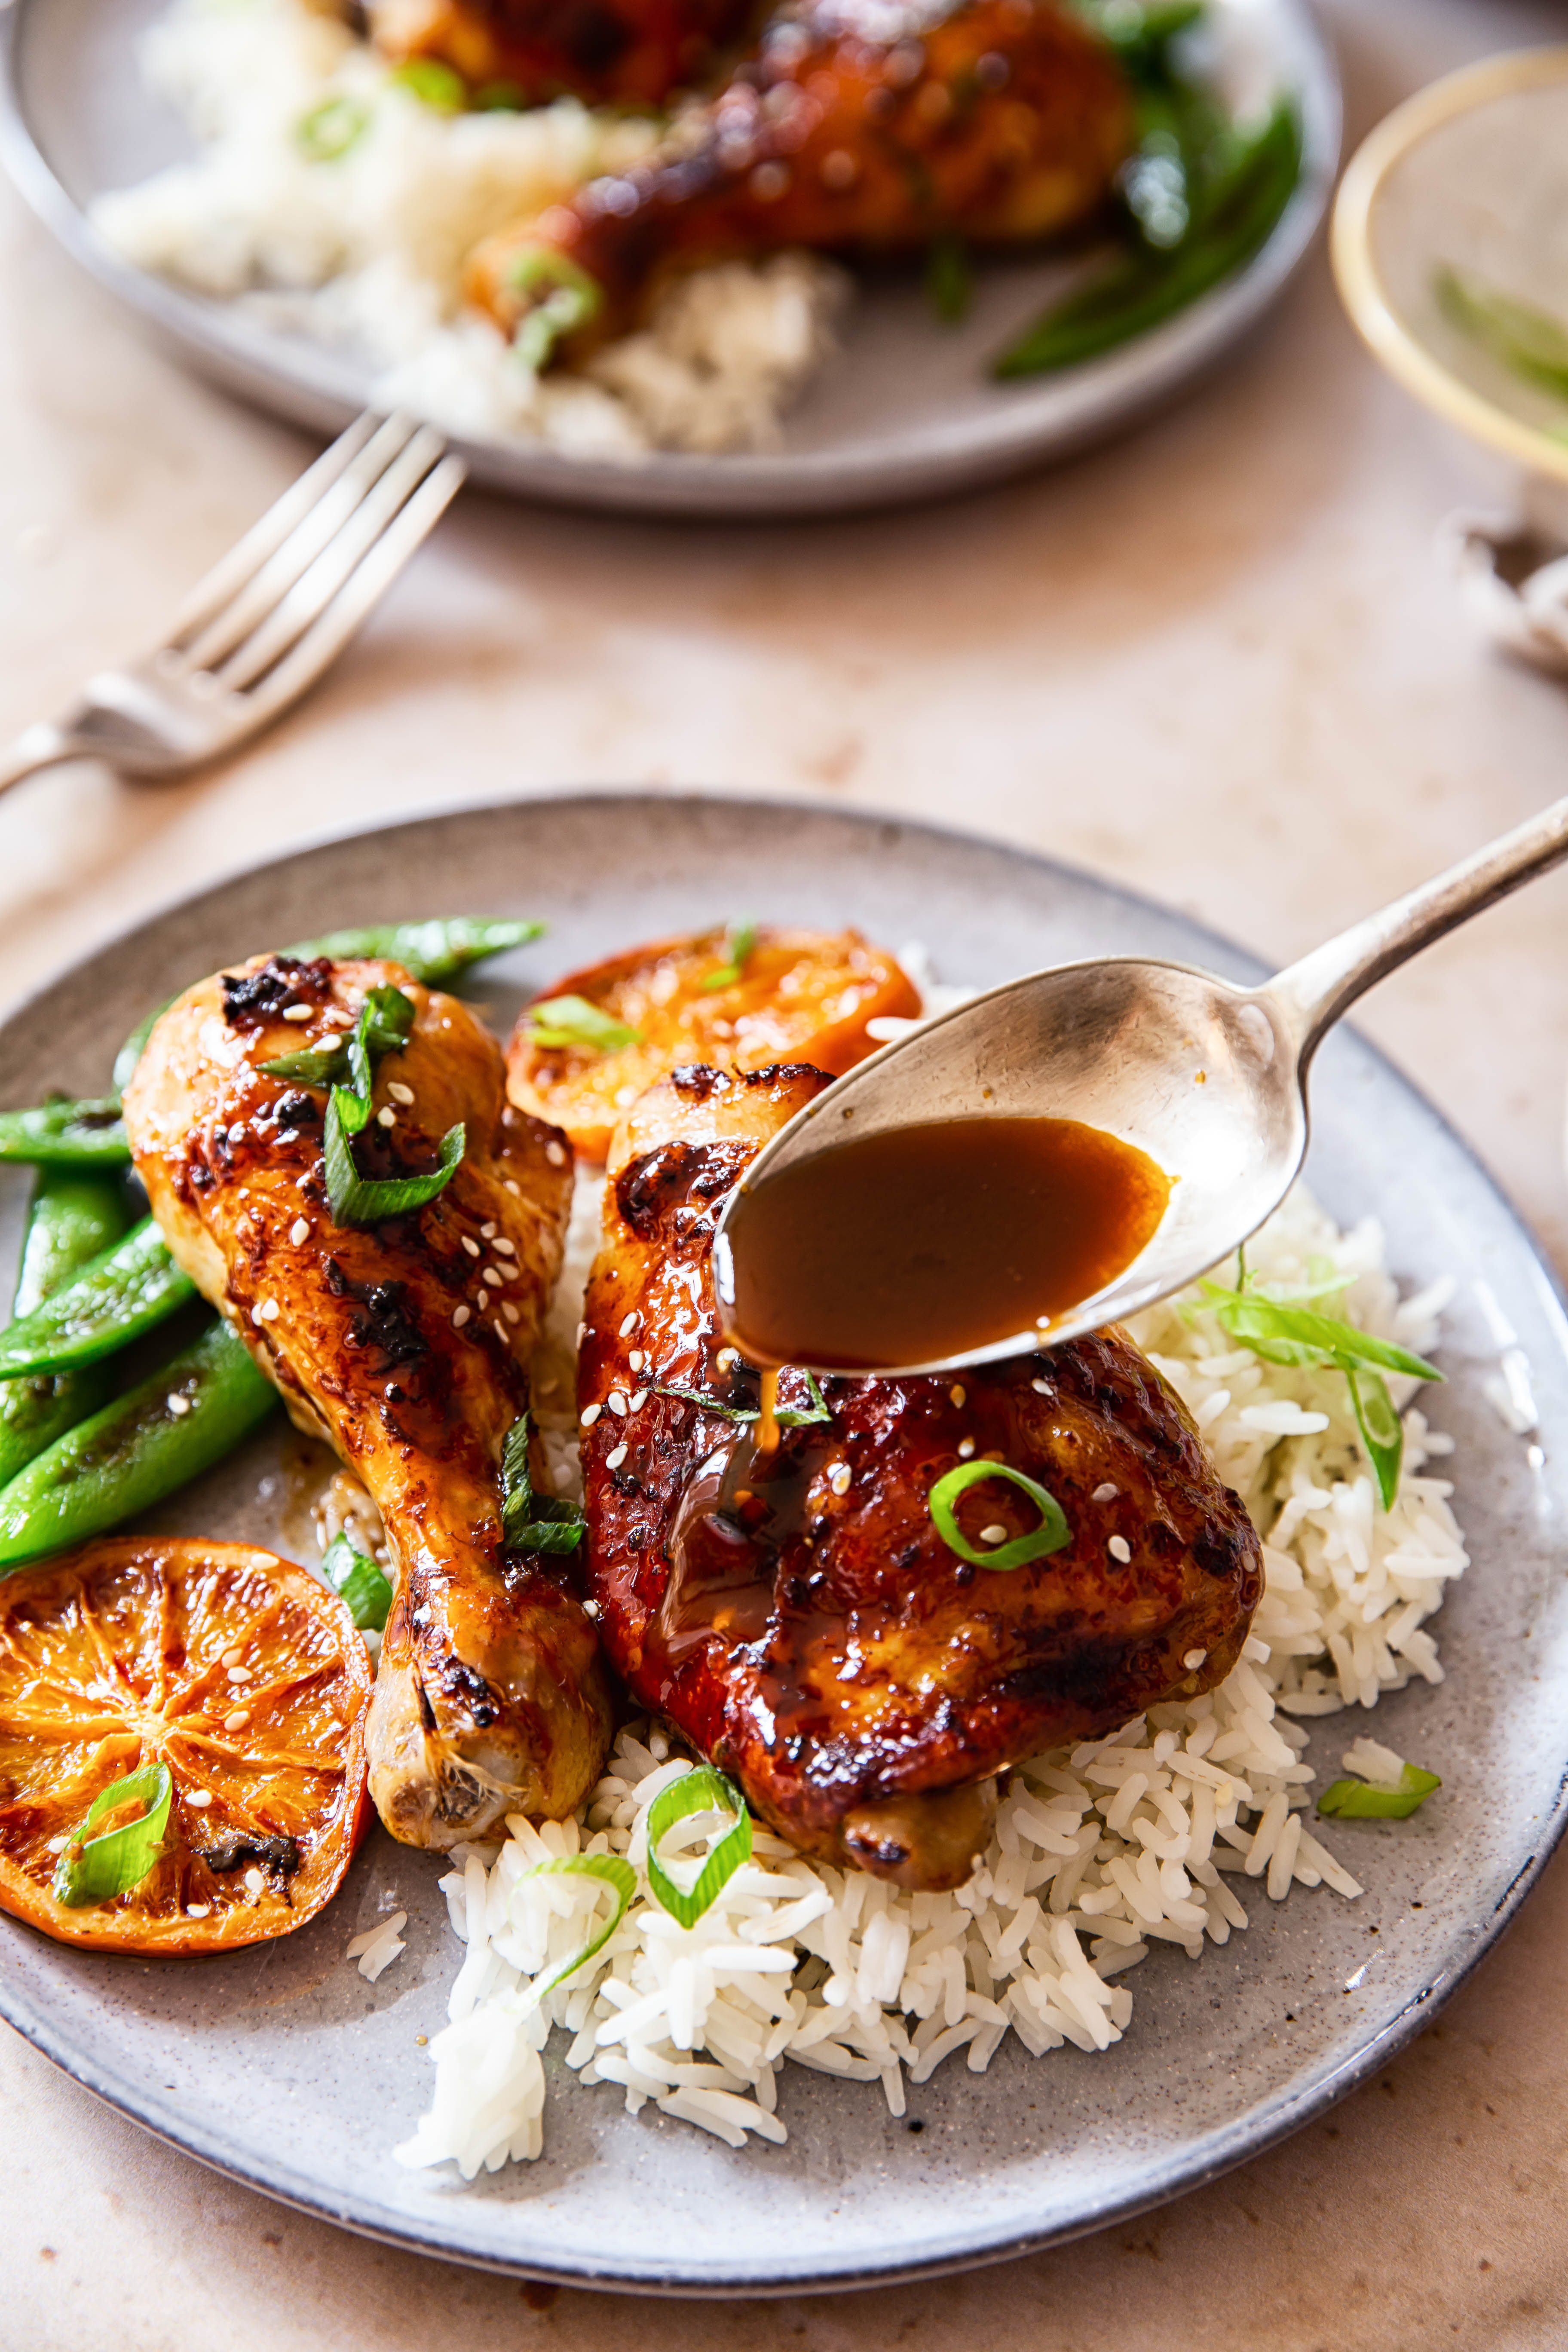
(860, 127)
(606, 52)
(797, 1616)
(404, 1346)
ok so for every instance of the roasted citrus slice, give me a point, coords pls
(739, 998)
(239, 1675)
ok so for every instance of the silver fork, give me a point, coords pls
(268, 619)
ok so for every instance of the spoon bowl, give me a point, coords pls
(1207, 1078)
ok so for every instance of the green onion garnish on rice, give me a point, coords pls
(358, 1582)
(1360, 1801)
(573, 1021)
(702, 1791)
(532, 1522)
(1053, 1533)
(611, 1871)
(95, 1870)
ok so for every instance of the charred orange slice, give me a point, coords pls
(596, 1040)
(238, 1674)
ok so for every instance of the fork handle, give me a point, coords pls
(43, 746)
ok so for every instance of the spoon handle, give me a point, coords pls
(1314, 992)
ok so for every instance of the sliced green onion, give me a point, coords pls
(616, 1874)
(702, 1791)
(950, 282)
(788, 1416)
(1053, 1534)
(95, 1870)
(573, 1021)
(562, 295)
(357, 1199)
(434, 950)
(433, 83)
(1382, 1431)
(1358, 1801)
(65, 1134)
(1532, 344)
(358, 1582)
(329, 130)
(532, 1522)
(739, 941)
(385, 1018)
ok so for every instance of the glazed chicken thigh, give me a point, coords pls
(796, 1615)
(857, 126)
(404, 1345)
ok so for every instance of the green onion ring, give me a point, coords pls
(703, 1790)
(1052, 1534)
(616, 1874)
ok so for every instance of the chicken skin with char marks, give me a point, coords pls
(797, 1616)
(404, 1346)
(857, 127)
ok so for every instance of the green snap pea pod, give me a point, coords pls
(66, 1134)
(433, 950)
(158, 1436)
(123, 1292)
(75, 1214)
(130, 1054)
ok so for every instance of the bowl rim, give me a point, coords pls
(1361, 284)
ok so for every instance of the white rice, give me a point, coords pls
(364, 249)
(1153, 1834)
(379, 1946)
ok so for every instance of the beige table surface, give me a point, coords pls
(1220, 662)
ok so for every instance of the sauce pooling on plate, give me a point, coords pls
(926, 1242)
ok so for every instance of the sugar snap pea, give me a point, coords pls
(75, 1214)
(432, 951)
(63, 1134)
(159, 1435)
(121, 1293)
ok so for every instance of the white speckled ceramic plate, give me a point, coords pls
(907, 409)
(283, 2066)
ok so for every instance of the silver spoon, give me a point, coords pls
(1208, 1078)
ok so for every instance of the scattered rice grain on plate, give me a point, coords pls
(379, 1946)
(361, 247)
(1167, 1831)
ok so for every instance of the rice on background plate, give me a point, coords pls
(1165, 1831)
(330, 199)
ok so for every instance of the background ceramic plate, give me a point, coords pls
(283, 2066)
(905, 411)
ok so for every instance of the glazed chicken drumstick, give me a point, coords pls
(857, 126)
(404, 1345)
(606, 52)
(797, 1615)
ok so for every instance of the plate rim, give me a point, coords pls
(319, 389)
(1184, 2169)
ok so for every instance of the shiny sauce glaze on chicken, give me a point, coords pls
(606, 52)
(404, 1345)
(856, 126)
(797, 1616)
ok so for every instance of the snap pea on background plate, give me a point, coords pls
(82, 1448)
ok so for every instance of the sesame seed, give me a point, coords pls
(508, 1310)
(1119, 1549)
(300, 1231)
(1194, 1660)
(513, 1186)
(1106, 1493)
(504, 1273)
(297, 1011)
(489, 1231)
(504, 1247)
(239, 1674)
(58, 1844)
(254, 1881)
(499, 1327)
(838, 1477)
(399, 1092)
(965, 1448)
(460, 1317)
(639, 1399)
(236, 1132)
(586, 1419)
(725, 1357)
(993, 1535)
(200, 1910)
(483, 1297)
(178, 1405)
(488, 1274)
(591, 1609)
(957, 1393)
(1042, 1322)
(556, 1155)
(627, 1328)
(232, 1657)
(387, 1117)
(256, 1316)
(1041, 1388)
(613, 1461)
(616, 1403)
(237, 1721)
(199, 1798)
(635, 1360)
(583, 1331)
(268, 1311)
(471, 1246)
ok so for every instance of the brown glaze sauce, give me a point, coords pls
(926, 1242)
